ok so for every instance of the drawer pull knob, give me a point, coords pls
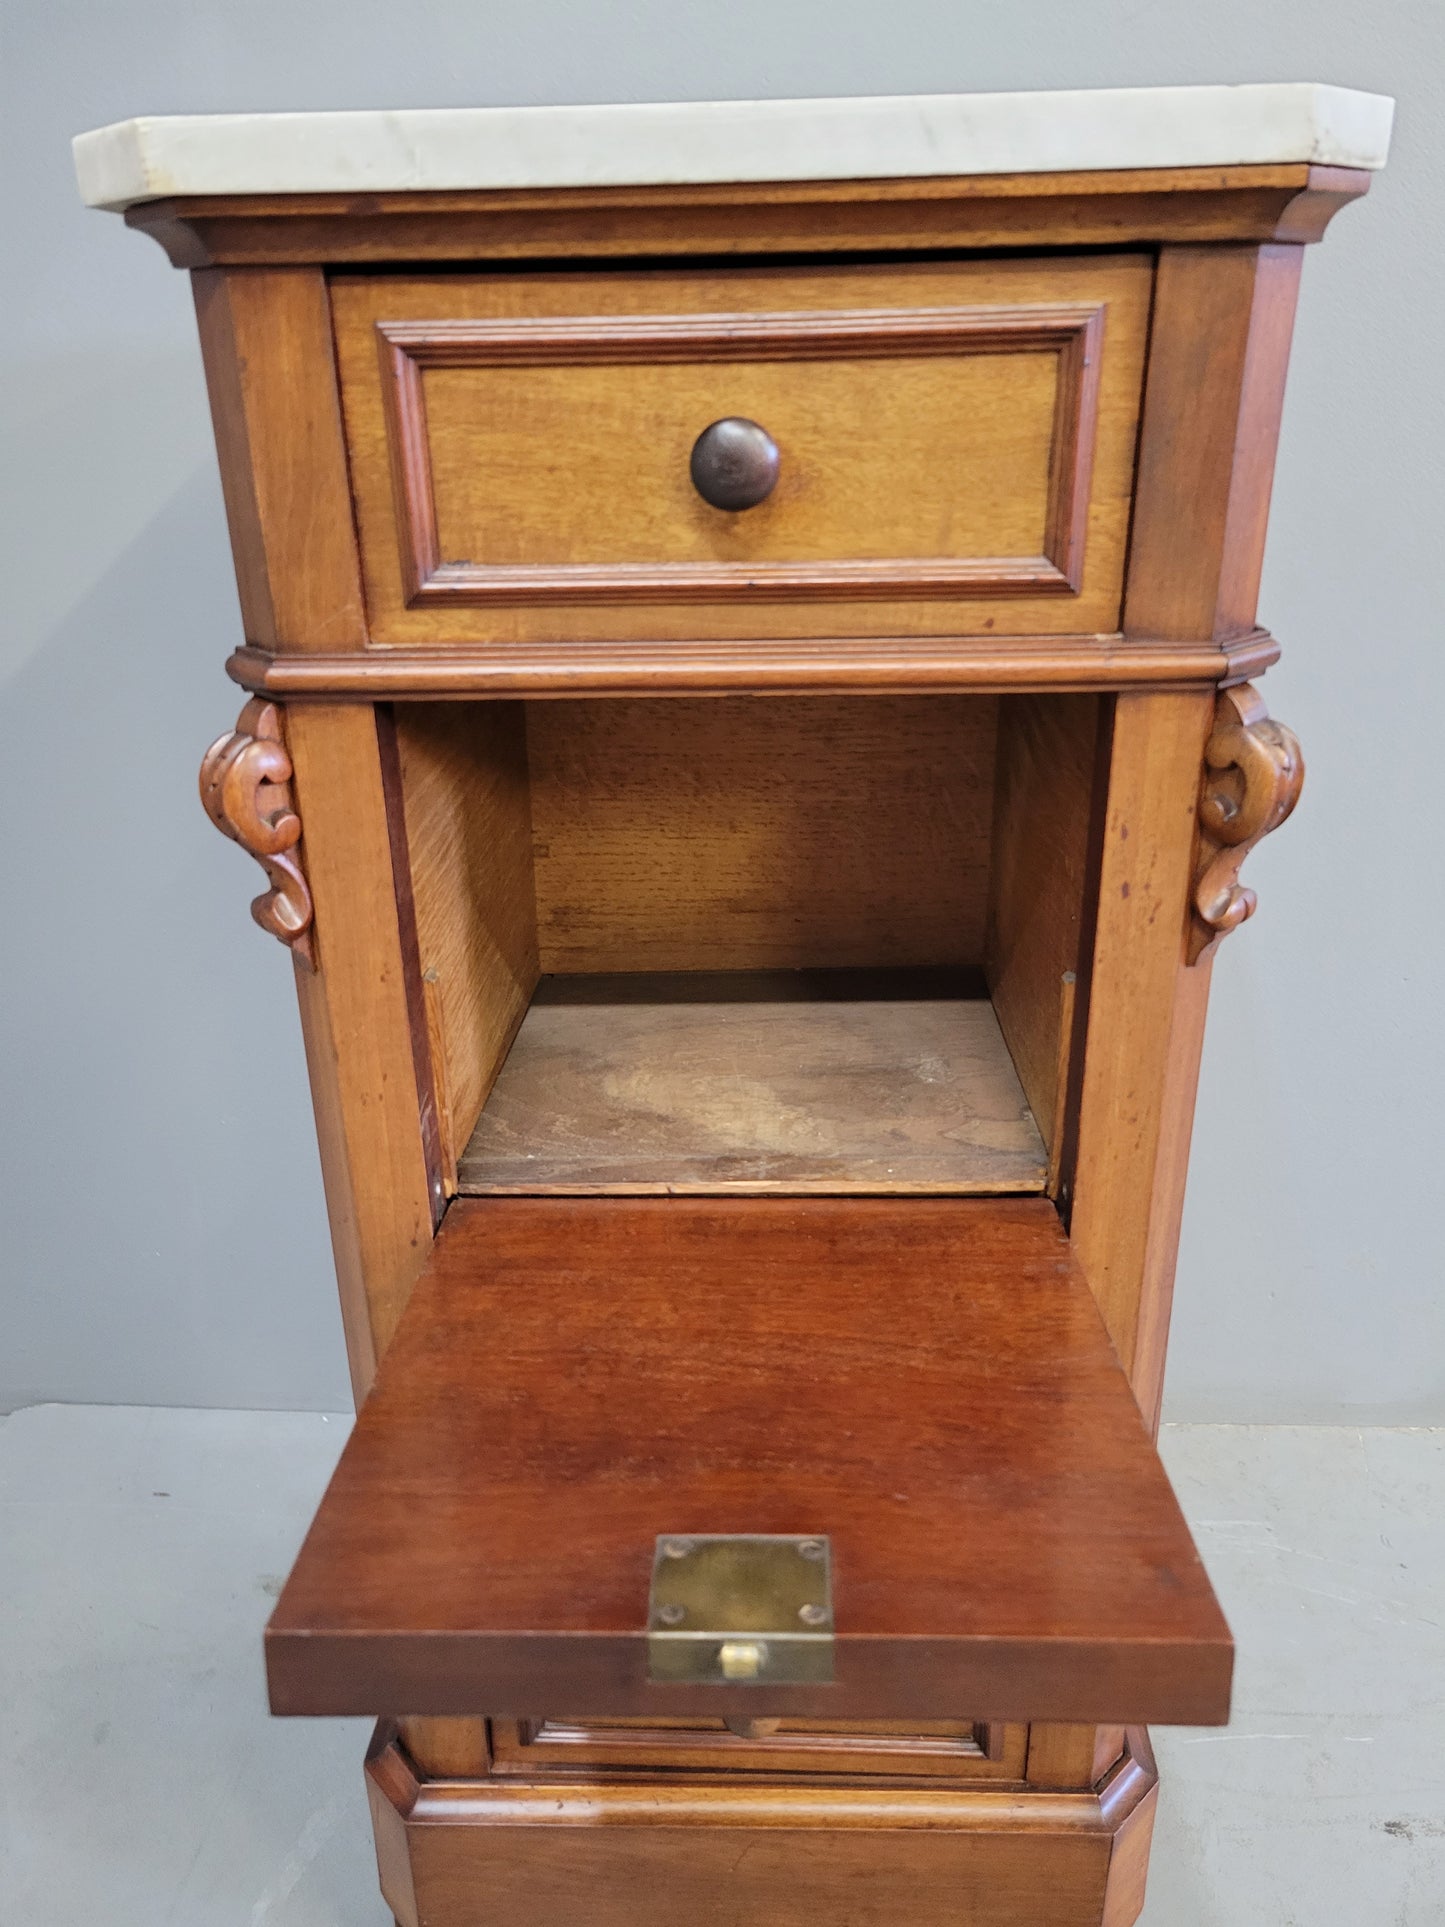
(734, 463)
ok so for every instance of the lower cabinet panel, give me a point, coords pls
(653, 1850)
(965, 1750)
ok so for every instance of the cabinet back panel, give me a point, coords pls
(757, 834)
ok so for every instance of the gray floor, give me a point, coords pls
(142, 1784)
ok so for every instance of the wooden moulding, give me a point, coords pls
(639, 1851)
(882, 666)
(973, 1752)
(1120, 208)
(1072, 334)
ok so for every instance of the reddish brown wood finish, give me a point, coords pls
(952, 431)
(246, 792)
(927, 1382)
(647, 1850)
(266, 340)
(372, 1118)
(882, 666)
(1052, 753)
(1213, 395)
(1223, 318)
(1200, 204)
(1254, 774)
(965, 1751)
(673, 1362)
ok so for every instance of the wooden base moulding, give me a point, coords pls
(645, 1852)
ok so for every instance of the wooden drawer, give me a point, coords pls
(956, 441)
(967, 1751)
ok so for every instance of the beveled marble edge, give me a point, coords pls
(888, 137)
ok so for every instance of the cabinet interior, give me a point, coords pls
(782, 944)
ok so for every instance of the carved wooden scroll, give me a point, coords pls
(246, 792)
(1253, 773)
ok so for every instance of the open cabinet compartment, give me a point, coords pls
(752, 944)
(923, 1381)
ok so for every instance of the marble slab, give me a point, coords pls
(732, 140)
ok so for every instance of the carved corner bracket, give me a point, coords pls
(1253, 774)
(246, 792)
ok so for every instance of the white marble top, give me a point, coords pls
(731, 140)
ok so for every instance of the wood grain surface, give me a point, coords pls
(677, 1086)
(967, 1751)
(926, 1381)
(1215, 390)
(382, 1193)
(871, 666)
(271, 376)
(1292, 202)
(485, 413)
(644, 1850)
(554, 467)
(1040, 922)
(469, 836)
(1219, 350)
(747, 834)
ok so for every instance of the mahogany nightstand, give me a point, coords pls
(752, 736)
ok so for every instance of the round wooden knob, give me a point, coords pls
(734, 464)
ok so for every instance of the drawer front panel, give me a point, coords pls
(956, 446)
(960, 1750)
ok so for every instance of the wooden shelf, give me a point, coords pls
(781, 1081)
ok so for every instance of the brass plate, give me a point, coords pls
(749, 1609)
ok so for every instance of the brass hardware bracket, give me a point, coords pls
(741, 1609)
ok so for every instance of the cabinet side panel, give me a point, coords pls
(469, 830)
(358, 1028)
(761, 833)
(1047, 750)
(271, 374)
(1214, 389)
(1213, 395)
(1129, 1180)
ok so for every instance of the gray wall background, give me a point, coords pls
(163, 1234)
